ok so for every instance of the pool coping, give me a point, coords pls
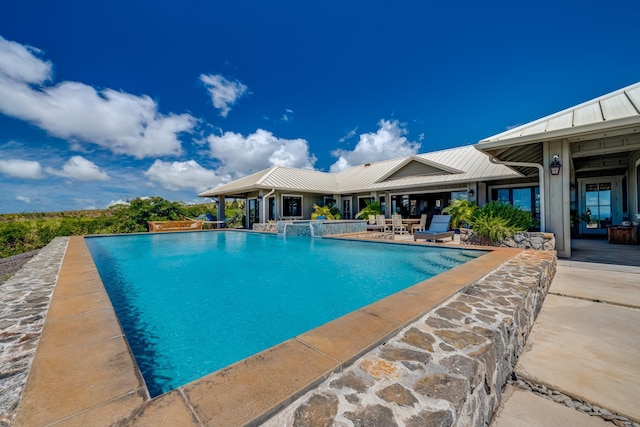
(83, 370)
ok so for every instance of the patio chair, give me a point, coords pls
(422, 225)
(438, 229)
(382, 222)
(374, 223)
(397, 225)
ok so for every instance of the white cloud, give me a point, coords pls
(349, 134)
(80, 169)
(19, 62)
(27, 169)
(387, 143)
(241, 155)
(23, 199)
(224, 93)
(287, 116)
(115, 120)
(176, 176)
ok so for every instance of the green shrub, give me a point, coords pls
(497, 220)
(14, 238)
(492, 229)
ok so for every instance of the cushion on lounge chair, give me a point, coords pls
(438, 229)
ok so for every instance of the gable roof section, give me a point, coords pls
(619, 109)
(278, 177)
(417, 166)
(472, 164)
(461, 165)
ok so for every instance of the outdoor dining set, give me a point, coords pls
(438, 228)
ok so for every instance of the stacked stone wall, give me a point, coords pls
(446, 369)
(266, 227)
(524, 240)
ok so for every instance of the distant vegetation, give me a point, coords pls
(28, 231)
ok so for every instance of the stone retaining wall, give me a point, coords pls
(524, 240)
(448, 368)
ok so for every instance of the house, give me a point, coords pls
(423, 183)
(582, 160)
(587, 161)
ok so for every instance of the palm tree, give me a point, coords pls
(461, 212)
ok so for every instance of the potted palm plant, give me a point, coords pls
(371, 208)
(325, 212)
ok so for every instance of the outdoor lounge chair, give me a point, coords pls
(438, 229)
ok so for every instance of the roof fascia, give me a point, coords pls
(581, 133)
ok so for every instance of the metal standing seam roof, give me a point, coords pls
(471, 164)
(613, 110)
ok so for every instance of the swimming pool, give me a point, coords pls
(193, 303)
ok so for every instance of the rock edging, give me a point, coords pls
(448, 368)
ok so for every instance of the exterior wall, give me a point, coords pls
(634, 188)
(557, 203)
(481, 194)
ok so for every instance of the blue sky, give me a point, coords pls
(103, 102)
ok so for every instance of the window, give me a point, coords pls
(459, 195)
(272, 208)
(292, 206)
(364, 201)
(528, 198)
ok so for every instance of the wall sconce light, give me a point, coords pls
(555, 165)
(471, 193)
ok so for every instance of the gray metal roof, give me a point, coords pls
(455, 165)
(617, 109)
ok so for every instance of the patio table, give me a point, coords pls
(409, 222)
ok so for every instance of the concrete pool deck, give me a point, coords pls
(83, 371)
(590, 318)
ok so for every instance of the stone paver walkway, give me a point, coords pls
(584, 350)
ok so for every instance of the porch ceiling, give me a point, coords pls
(615, 163)
(530, 153)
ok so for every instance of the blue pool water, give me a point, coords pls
(192, 303)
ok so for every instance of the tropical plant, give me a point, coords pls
(489, 229)
(327, 211)
(372, 208)
(461, 212)
(515, 216)
(497, 220)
